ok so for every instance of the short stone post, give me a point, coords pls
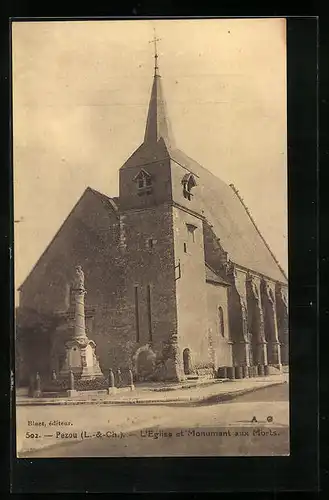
(111, 385)
(222, 372)
(71, 381)
(245, 371)
(261, 370)
(251, 372)
(37, 392)
(111, 379)
(31, 386)
(71, 390)
(119, 378)
(238, 371)
(131, 380)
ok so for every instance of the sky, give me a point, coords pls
(80, 99)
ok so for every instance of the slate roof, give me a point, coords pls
(157, 123)
(231, 222)
(213, 277)
(112, 203)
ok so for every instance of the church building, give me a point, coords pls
(180, 281)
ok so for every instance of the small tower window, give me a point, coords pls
(189, 183)
(144, 182)
(185, 248)
(150, 243)
(191, 232)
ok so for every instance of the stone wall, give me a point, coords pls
(191, 287)
(157, 164)
(148, 257)
(217, 296)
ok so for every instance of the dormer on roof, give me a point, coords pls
(188, 183)
(144, 182)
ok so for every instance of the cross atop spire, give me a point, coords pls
(157, 124)
(155, 40)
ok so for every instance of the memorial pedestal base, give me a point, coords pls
(81, 360)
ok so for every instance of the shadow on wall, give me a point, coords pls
(33, 340)
(149, 366)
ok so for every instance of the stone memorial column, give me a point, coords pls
(80, 351)
(79, 299)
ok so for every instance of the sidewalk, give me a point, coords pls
(215, 391)
(42, 419)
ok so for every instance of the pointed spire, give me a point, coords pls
(157, 124)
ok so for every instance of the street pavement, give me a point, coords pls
(154, 393)
(254, 424)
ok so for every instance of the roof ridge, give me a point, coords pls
(234, 189)
(108, 198)
(95, 191)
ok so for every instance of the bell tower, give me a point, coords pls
(146, 234)
(145, 178)
(162, 244)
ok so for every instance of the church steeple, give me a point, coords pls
(157, 124)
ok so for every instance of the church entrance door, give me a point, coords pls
(145, 364)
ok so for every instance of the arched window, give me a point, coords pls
(221, 326)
